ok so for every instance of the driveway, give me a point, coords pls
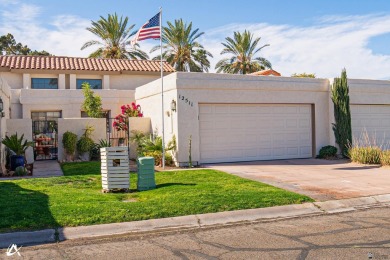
(320, 179)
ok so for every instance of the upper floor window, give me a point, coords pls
(44, 83)
(94, 83)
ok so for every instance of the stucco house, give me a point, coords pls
(45, 90)
(228, 117)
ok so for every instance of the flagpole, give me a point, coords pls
(162, 93)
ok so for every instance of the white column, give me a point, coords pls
(26, 81)
(72, 81)
(106, 82)
(61, 81)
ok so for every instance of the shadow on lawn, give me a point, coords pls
(174, 184)
(23, 209)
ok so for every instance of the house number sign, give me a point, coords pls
(185, 99)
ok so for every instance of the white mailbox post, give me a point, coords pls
(115, 168)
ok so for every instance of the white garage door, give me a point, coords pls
(243, 132)
(372, 121)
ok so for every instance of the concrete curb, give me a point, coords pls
(22, 238)
(193, 221)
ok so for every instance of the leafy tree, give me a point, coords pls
(8, 46)
(114, 34)
(92, 104)
(303, 75)
(243, 48)
(342, 127)
(181, 48)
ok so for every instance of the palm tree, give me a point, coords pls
(180, 48)
(114, 34)
(243, 48)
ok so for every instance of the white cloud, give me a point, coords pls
(324, 48)
(62, 35)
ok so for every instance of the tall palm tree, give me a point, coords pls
(180, 48)
(114, 34)
(243, 48)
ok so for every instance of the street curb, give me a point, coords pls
(22, 238)
(193, 221)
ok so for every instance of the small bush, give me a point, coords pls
(366, 155)
(20, 171)
(157, 155)
(385, 158)
(69, 141)
(327, 152)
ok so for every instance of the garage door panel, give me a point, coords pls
(372, 121)
(241, 132)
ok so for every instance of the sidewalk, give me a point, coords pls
(193, 221)
(42, 169)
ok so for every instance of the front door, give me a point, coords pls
(45, 129)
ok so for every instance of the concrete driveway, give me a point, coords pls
(320, 179)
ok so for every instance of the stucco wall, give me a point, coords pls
(69, 101)
(149, 97)
(198, 88)
(77, 126)
(22, 126)
(130, 82)
(141, 124)
(5, 97)
(15, 80)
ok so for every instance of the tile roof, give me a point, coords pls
(266, 73)
(80, 64)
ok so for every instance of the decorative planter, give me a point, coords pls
(16, 160)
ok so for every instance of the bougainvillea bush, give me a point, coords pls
(132, 110)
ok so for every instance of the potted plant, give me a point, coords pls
(18, 147)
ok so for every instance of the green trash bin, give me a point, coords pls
(146, 179)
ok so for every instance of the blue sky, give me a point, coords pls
(318, 37)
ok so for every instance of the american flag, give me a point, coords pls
(150, 30)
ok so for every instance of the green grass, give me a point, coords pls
(76, 199)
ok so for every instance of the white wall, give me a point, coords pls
(221, 88)
(130, 82)
(69, 101)
(140, 124)
(77, 126)
(149, 97)
(22, 126)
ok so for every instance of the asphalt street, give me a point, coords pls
(363, 234)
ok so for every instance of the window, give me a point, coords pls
(94, 83)
(44, 83)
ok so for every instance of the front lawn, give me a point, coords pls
(76, 199)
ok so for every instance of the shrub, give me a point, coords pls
(92, 104)
(327, 152)
(95, 150)
(157, 155)
(342, 127)
(69, 141)
(16, 144)
(85, 143)
(20, 171)
(127, 111)
(385, 158)
(365, 155)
